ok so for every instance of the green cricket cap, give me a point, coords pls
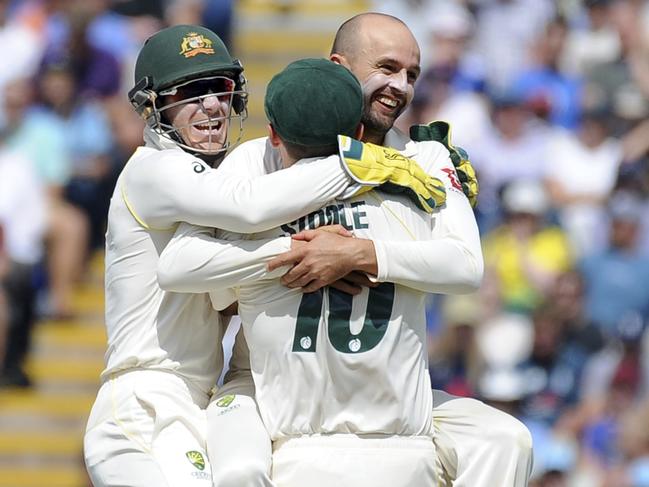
(180, 53)
(311, 101)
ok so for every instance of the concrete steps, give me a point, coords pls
(41, 429)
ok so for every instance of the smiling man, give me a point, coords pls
(477, 445)
(383, 54)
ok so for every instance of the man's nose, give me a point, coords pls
(399, 81)
(211, 103)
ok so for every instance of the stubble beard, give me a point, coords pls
(376, 126)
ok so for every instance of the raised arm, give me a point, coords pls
(449, 263)
(169, 187)
(195, 260)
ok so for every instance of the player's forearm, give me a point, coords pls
(252, 205)
(283, 196)
(195, 261)
(437, 266)
(184, 191)
(364, 256)
(450, 262)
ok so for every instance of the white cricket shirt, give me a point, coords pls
(319, 368)
(160, 186)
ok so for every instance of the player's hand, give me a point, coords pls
(375, 166)
(337, 229)
(353, 283)
(441, 132)
(322, 258)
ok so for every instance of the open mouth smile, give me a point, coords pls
(208, 128)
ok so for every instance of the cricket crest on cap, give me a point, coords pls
(194, 43)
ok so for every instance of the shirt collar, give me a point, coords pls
(157, 141)
(396, 139)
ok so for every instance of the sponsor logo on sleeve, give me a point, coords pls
(196, 459)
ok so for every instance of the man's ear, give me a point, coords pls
(360, 130)
(275, 141)
(339, 59)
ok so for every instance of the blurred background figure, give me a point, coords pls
(524, 253)
(555, 95)
(617, 278)
(22, 224)
(514, 147)
(506, 31)
(41, 138)
(24, 44)
(591, 156)
(454, 358)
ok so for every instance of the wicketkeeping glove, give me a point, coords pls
(441, 132)
(375, 166)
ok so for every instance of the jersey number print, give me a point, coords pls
(377, 316)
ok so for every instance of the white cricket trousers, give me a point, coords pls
(353, 461)
(146, 429)
(478, 445)
(238, 444)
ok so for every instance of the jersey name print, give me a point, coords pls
(351, 217)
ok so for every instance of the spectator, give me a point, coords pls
(617, 279)
(4, 303)
(88, 139)
(553, 370)
(96, 71)
(218, 17)
(592, 157)
(24, 45)
(505, 32)
(179, 12)
(22, 219)
(596, 43)
(634, 445)
(600, 436)
(41, 138)
(514, 147)
(624, 360)
(555, 94)
(524, 253)
(452, 83)
(454, 363)
(567, 298)
(626, 76)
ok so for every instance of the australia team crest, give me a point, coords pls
(194, 43)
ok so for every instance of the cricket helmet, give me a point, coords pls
(193, 62)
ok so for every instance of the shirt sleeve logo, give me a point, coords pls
(452, 176)
(225, 401)
(196, 459)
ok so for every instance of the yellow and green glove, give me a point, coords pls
(374, 166)
(441, 132)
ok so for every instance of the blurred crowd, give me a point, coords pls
(550, 99)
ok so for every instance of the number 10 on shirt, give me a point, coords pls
(377, 317)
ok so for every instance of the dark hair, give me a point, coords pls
(297, 151)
